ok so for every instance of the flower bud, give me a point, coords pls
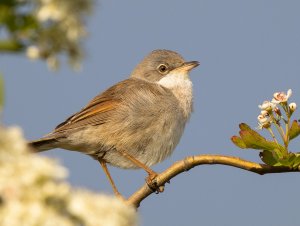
(293, 107)
(277, 111)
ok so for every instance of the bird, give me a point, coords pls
(135, 123)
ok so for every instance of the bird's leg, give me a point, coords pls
(104, 167)
(152, 174)
(150, 180)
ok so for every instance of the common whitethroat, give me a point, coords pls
(137, 122)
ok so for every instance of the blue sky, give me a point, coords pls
(248, 50)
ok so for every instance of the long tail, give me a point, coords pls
(43, 144)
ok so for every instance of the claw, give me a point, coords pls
(152, 183)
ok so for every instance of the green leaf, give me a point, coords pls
(5, 12)
(292, 160)
(269, 157)
(244, 126)
(294, 130)
(296, 161)
(254, 140)
(273, 159)
(10, 45)
(238, 142)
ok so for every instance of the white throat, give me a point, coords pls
(182, 88)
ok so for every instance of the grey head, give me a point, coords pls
(159, 63)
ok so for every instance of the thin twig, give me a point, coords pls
(190, 162)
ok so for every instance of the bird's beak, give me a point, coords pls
(187, 66)
(190, 65)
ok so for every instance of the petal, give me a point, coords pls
(264, 105)
(264, 113)
(274, 101)
(275, 95)
(259, 117)
(289, 93)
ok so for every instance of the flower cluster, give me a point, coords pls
(270, 110)
(32, 192)
(271, 114)
(275, 114)
(60, 30)
(45, 29)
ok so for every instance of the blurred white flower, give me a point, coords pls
(61, 28)
(32, 192)
(50, 11)
(11, 139)
(281, 97)
(267, 106)
(33, 52)
(112, 213)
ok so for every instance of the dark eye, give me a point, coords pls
(162, 68)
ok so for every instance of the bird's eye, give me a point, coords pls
(162, 68)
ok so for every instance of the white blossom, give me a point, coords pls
(267, 106)
(33, 192)
(264, 120)
(281, 97)
(264, 113)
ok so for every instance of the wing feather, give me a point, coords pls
(99, 109)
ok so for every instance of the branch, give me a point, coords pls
(190, 162)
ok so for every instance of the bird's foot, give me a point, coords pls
(152, 183)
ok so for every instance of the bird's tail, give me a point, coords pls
(43, 144)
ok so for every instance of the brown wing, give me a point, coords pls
(97, 110)
(88, 116)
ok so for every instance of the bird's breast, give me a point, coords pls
(182, 88)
